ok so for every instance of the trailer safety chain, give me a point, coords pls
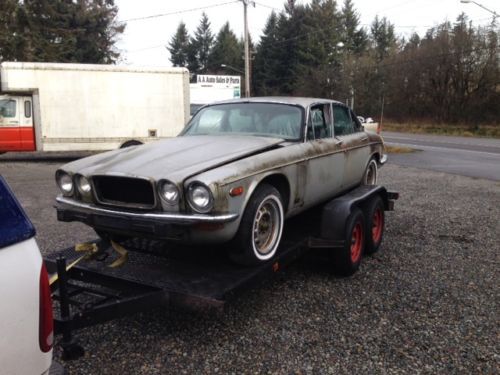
(92, 251)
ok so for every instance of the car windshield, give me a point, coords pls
(258, 119)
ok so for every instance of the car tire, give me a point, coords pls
(346, 260)
(371, 173)
(130, 143)
(261, 227)
(375, 221)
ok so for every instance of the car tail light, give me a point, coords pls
(46, 323)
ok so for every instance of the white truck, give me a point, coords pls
(26, 325)
(83, 107)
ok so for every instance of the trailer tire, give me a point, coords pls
(346, 260)
(375, 221)
(262, 221)
(371, 173)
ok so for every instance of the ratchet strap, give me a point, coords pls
(90, 251)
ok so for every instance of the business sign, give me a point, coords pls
(216, 80)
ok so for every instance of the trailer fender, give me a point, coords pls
(335, 213)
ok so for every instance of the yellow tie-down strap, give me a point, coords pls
(90, 250)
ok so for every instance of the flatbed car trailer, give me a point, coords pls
(91, 292)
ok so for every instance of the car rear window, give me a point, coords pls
(14, 224)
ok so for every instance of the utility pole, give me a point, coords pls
(247, 52)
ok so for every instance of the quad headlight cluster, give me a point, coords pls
(67, 183)
(199, 196)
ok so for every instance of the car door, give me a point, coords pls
(325, 159)
(10, 135)
(354, 141)
(26, 129)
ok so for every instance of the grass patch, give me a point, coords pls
(398, 149)
(489, 131)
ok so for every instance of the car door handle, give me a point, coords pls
(364, 138)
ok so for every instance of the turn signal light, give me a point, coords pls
(234, 192)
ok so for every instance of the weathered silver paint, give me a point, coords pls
(314, 170)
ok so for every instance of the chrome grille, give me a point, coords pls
(124, 191)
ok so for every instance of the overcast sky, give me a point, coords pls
(143, 42)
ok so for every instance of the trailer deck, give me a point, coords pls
(157, 274)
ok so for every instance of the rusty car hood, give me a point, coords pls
(175, 158)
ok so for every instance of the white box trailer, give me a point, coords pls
(81, 107)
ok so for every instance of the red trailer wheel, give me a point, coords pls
(375, 222)
(346, 260)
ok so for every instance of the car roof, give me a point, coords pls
(293, 100)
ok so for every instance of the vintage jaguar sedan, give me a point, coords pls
(236, 172)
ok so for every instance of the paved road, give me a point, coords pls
(467, 156)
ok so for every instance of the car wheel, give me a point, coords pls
(130, 143)
(371, 173)
(346, 260)
(375, 220)
(260, 230)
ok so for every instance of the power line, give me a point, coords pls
(267, 6)
(179, 11)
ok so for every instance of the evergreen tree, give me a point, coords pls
(383, 37)
(290, 44)
(354, 38)
(179, 46)
(9, 30)
(62, 31)
(201, 46)
(319, 68)
(226, 50)
(267, 64)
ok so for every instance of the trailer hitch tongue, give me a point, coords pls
(89, 250)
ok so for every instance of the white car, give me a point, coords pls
(26, 324)
(370, 125)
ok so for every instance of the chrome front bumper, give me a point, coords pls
(163, 217)
(383, 159)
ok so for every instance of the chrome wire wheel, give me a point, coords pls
(370, 177)
(267, 227)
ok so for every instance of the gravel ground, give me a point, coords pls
(428, 302)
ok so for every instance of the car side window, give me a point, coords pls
(320, 122)
(342, 121)
(356, 121)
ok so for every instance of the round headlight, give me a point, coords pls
(169, 192)
(200, 197)
(65, 182)
(83, 185)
